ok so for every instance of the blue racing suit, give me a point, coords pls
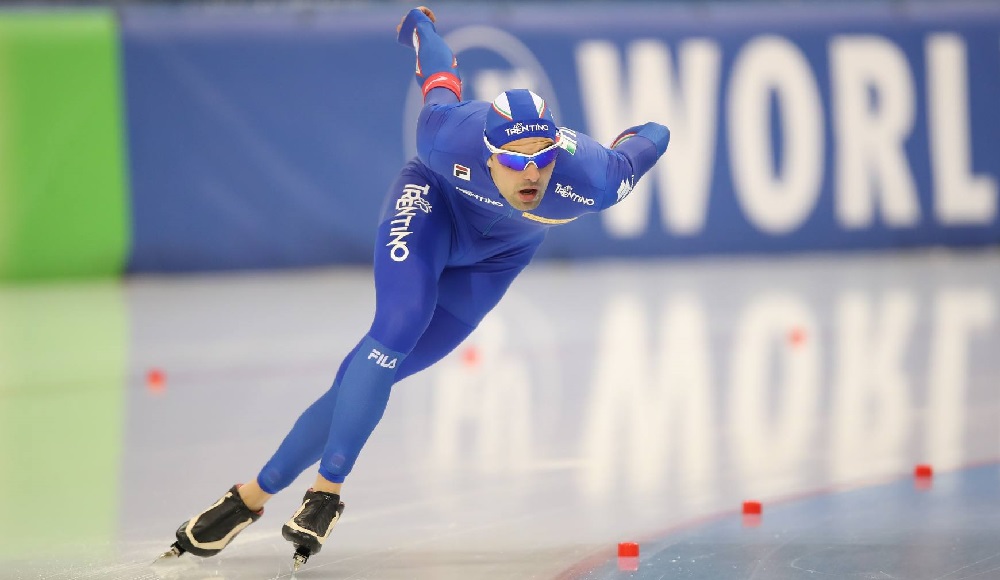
(448, 247)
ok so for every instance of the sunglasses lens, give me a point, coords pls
(543, 159)
(520, 162)
(515, 162)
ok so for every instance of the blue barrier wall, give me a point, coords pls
(267, 137)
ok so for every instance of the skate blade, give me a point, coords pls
(173, 553)
(301, 557)
(169, 566)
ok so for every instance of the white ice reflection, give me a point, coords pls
(650, 406)
(482, 402)
(963, 317)
(693, 380)
(872, 392)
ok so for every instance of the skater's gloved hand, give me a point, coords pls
(436, 63)
(412, 16)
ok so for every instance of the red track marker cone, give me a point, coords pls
(156, 381)
(628, 556)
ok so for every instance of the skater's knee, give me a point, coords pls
(272, 480)
(400, 327)
(335, 467)
(401, 317)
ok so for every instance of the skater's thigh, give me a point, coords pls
(443, 334)
(411, 249)
(465, 295)
(470, 292)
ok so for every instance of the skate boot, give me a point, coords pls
(311, 524)
(207, 533)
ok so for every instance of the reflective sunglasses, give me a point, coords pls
(520, 161)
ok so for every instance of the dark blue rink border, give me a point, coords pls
(873, 531)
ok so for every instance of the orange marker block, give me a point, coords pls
(923, 477)
(628, 550)
(628, 556)
(751, 513)
(156, 381)
(796, 336)
(470, 356)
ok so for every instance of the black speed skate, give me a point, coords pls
(207, 533)
(311, 524)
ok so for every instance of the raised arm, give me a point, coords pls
(633, 153)
(437, 67)
(638, 150)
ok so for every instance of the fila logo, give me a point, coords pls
(463, 172)
(382, 360)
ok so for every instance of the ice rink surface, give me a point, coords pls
(599, 403)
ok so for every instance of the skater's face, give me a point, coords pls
(522, 189)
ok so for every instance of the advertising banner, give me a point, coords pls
(268, 138)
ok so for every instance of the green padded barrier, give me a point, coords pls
(63, 195)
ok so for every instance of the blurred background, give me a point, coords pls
(802, 294)
(201, 137)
